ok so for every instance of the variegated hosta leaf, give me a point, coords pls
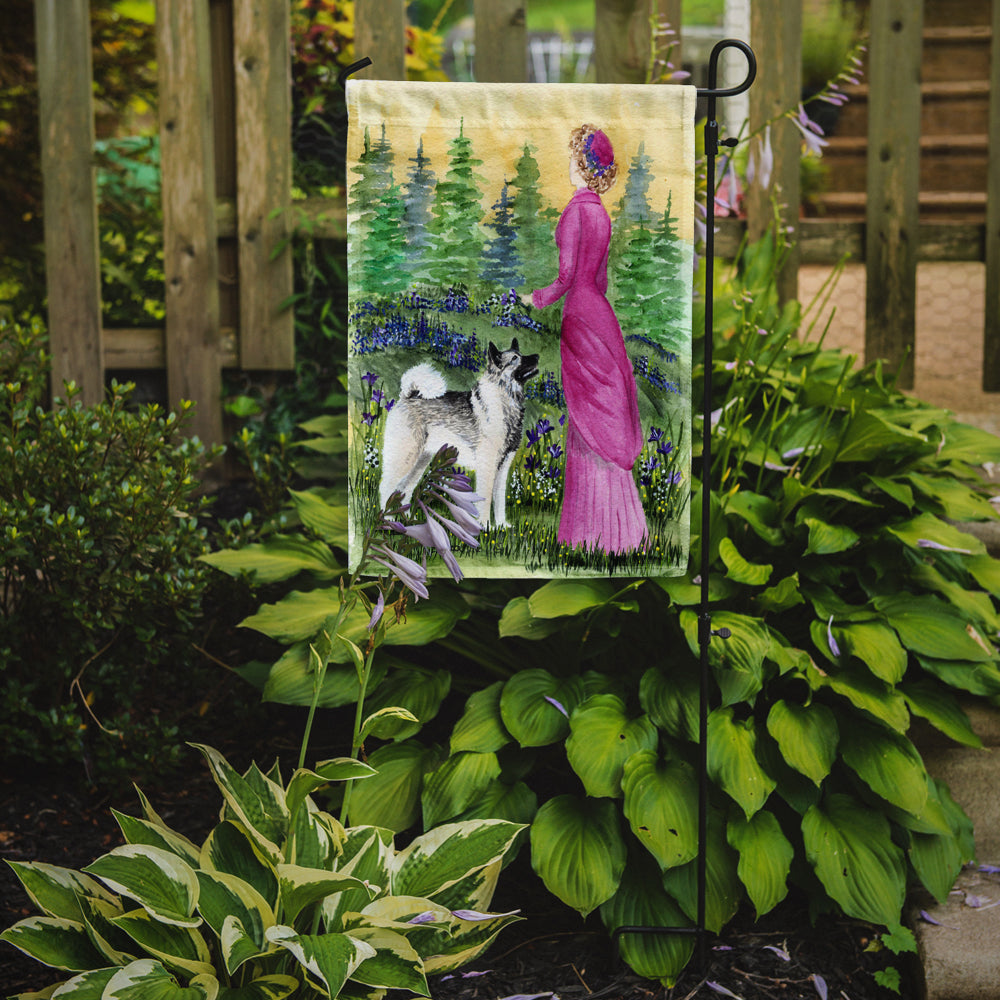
(304, 782)
(807, 736)
(395, 964)
(441, 857)
(642, 902)
(850, 847)
(230, 849)
(367, 853)
(300, 887)
(535, 706)
(141, 831)
(468, 939)
(476, 890)
(481, 727)
(315, 838)
(732, 760)
(274, 987)
(329, 959)
(87, 986)
(238, 945)
(456, 784)
(54, 941)
(661, 799)
(177, 947)
(256, 801)
(765, 858)
(602, 737)
(147, 979)
(56, 891)
(578, 851)
(116, 946)
(225, 897)
(158, 880)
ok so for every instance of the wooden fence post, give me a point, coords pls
(621, 40)
(776, 34)
(72, 254)
(190, 251)
(501, 41)
(991, 333)
(262, 60)
(893, 183)
(380, 34)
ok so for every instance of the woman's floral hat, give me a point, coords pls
(598, 152)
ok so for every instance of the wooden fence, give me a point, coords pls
(226, 160)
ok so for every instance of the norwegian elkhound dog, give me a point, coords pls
(484, 424)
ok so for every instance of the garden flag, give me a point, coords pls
(520, 274)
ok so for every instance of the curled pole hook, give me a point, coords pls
(348, 70)
(712, 90)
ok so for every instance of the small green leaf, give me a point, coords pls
(936, 704)
(180, 948)
(535, 706)
(517, 620)
(828, 539)
(671, 699)
(888, 763)
(327, 520)
(279, 558)
(383, 723)
(559, 598)
(301, 887)
(481, 727)
(56, 891)
(391, 798)
(456, 784)
(807, 736)
(765, 858)
(732, 760)
(751, 574)
(930, 627)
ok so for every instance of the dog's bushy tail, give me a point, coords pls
(422, 380)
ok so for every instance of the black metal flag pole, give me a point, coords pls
(705, 631)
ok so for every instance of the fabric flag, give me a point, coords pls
(520, 278)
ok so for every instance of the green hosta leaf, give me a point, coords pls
(578, 851)
(783, 595)
(147, 979)
(391, 798)
(986, 571)
(807, 736)
(301, 887)
(937, 859)
(180, 948)
(865, 692)
(765, 858)
(928, 528)
(315, 839)
(893, 488)
(671, 700)
(602, 738)
(828, 539)
(438, 859)
(559, 598)
(292, 680)
(395, 964)
(850, 847)
(330, 959)
(163, 884)
(876, 646)
(527, 711)
(141, 831)
(931, 628)
(684, 592)
(723, 889)
(517, 620)
(56, 891)
(54, 941)
(965, 443)
(641, 901)
(976, 678)
(888, 763)
(481, 728)
(415, 689)
(751, 574)
(327, 520)
(279, 558)
(870, 436)
(760, 512)
(225, 897)
(941, 709)
(732, 760)
(661, 798)
(456, 784)
(275, 987)
(738, 661)
(976, 605)
(98, 916)
(515, 803)
(260, 809)
(957, 501)
(230, 849)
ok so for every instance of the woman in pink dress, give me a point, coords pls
(601, 507)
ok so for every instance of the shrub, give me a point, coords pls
(99, 539)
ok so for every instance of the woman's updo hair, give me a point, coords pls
(594, 157)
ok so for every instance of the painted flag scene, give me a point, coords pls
(520, 272)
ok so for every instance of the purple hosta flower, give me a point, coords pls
(432, 535)
(727, 198)
(377, 612)
(411, 574)
(719, 988)
(927, 543)
(811, 132)
(427, 917)
(370, 377)
(557, 704)
(544, 426)
(760, 166)
(475, 915)
(465, 975)
(831, 642)
(368, 418)
(782, 953)
(989, 869)
(555, 450)
(820, 985)
(459, 528)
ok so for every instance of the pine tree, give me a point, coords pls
(534, 224)
(383, 251)
(374, 168)
(633, 206)
(456, 247)
(501, 263)
(674, 290)
(417, 197)
(632, 214)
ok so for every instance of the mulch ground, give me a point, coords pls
(551, 952)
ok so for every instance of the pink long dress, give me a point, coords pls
(601, 506)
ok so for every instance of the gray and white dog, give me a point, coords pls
(484, 424)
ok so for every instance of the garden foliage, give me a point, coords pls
(854, 604)
(280, 899)
(99, 546)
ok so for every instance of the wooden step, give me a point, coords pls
(957, 206)
(956, 53)
(945, 12)
(947, 162)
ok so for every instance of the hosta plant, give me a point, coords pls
(279, 900)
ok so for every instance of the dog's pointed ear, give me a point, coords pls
(493, 353)
(514, 347)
